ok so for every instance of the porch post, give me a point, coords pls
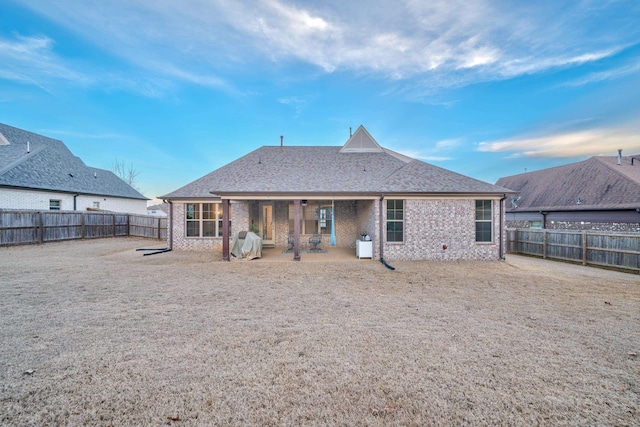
(225, 229)
(296, 230)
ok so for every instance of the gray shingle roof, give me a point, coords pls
(325, 169)
(49, 165)
(598, 182)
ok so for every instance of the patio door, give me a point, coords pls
(267, 224)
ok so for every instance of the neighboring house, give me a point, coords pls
(41, 173)
(411, 210)
(158, 210)
(600, 193)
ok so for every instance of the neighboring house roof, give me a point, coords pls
(159, 207)
(597, 183)
(32, 161)
(360, 166)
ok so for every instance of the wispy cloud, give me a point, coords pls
(31, 60)
(588, 142)
(448, 143)
(602, 76)
(298, 103)
(424, 155)
(440, 43)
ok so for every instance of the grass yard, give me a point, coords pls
(93, 333)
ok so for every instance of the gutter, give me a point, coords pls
(380, 238)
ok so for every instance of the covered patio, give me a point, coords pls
(309, 226)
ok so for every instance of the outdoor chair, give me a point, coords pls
(315, 241)
(291, 242)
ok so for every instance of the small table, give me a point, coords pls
(364, 248)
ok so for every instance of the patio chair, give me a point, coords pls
(291, 242)
(314, 241)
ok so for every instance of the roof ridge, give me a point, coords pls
(22, 159)
(615, 168)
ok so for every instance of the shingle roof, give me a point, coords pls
(325, 169)
(36, 162)
(596, 183)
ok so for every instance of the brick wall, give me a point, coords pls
(431, 223)
(39, 200)
(239, 221)
(346, 226)
(367, 212)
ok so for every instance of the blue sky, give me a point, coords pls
(179, 88)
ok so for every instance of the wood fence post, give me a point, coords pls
(113, 223)
(159, 234)
(40, 228)
(544, 244)
(129, 225)
(584, 248)
(82, 222)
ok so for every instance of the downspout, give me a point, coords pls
(170, 224)
(74, 201)
(380, 237)
(504, 196)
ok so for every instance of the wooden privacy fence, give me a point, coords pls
(25, 227)
(605, 249)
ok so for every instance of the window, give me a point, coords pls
(395, 220)
(96, 205)
(204, 220)
(535, 224)
(484, 221)
(55, 205)
(314, 218)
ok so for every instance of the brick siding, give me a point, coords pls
(429, 224)
(432, 223)
(239, 221)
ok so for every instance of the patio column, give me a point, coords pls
(296, 230)
(225, 229)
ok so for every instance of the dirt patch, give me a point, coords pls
(94, 333)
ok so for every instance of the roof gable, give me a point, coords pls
(361, 142)
(3, 140)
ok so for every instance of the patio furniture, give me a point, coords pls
(314, 241)
(291, 242)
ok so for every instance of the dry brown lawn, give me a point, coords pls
(93, 333)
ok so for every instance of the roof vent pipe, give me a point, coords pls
(28, 146)
(350, 134)
(620, 156)
(281, 142)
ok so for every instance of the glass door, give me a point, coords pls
(267, 225)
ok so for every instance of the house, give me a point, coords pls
(41, 173)
(410, 209)
(159, 209)
(600, 193)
